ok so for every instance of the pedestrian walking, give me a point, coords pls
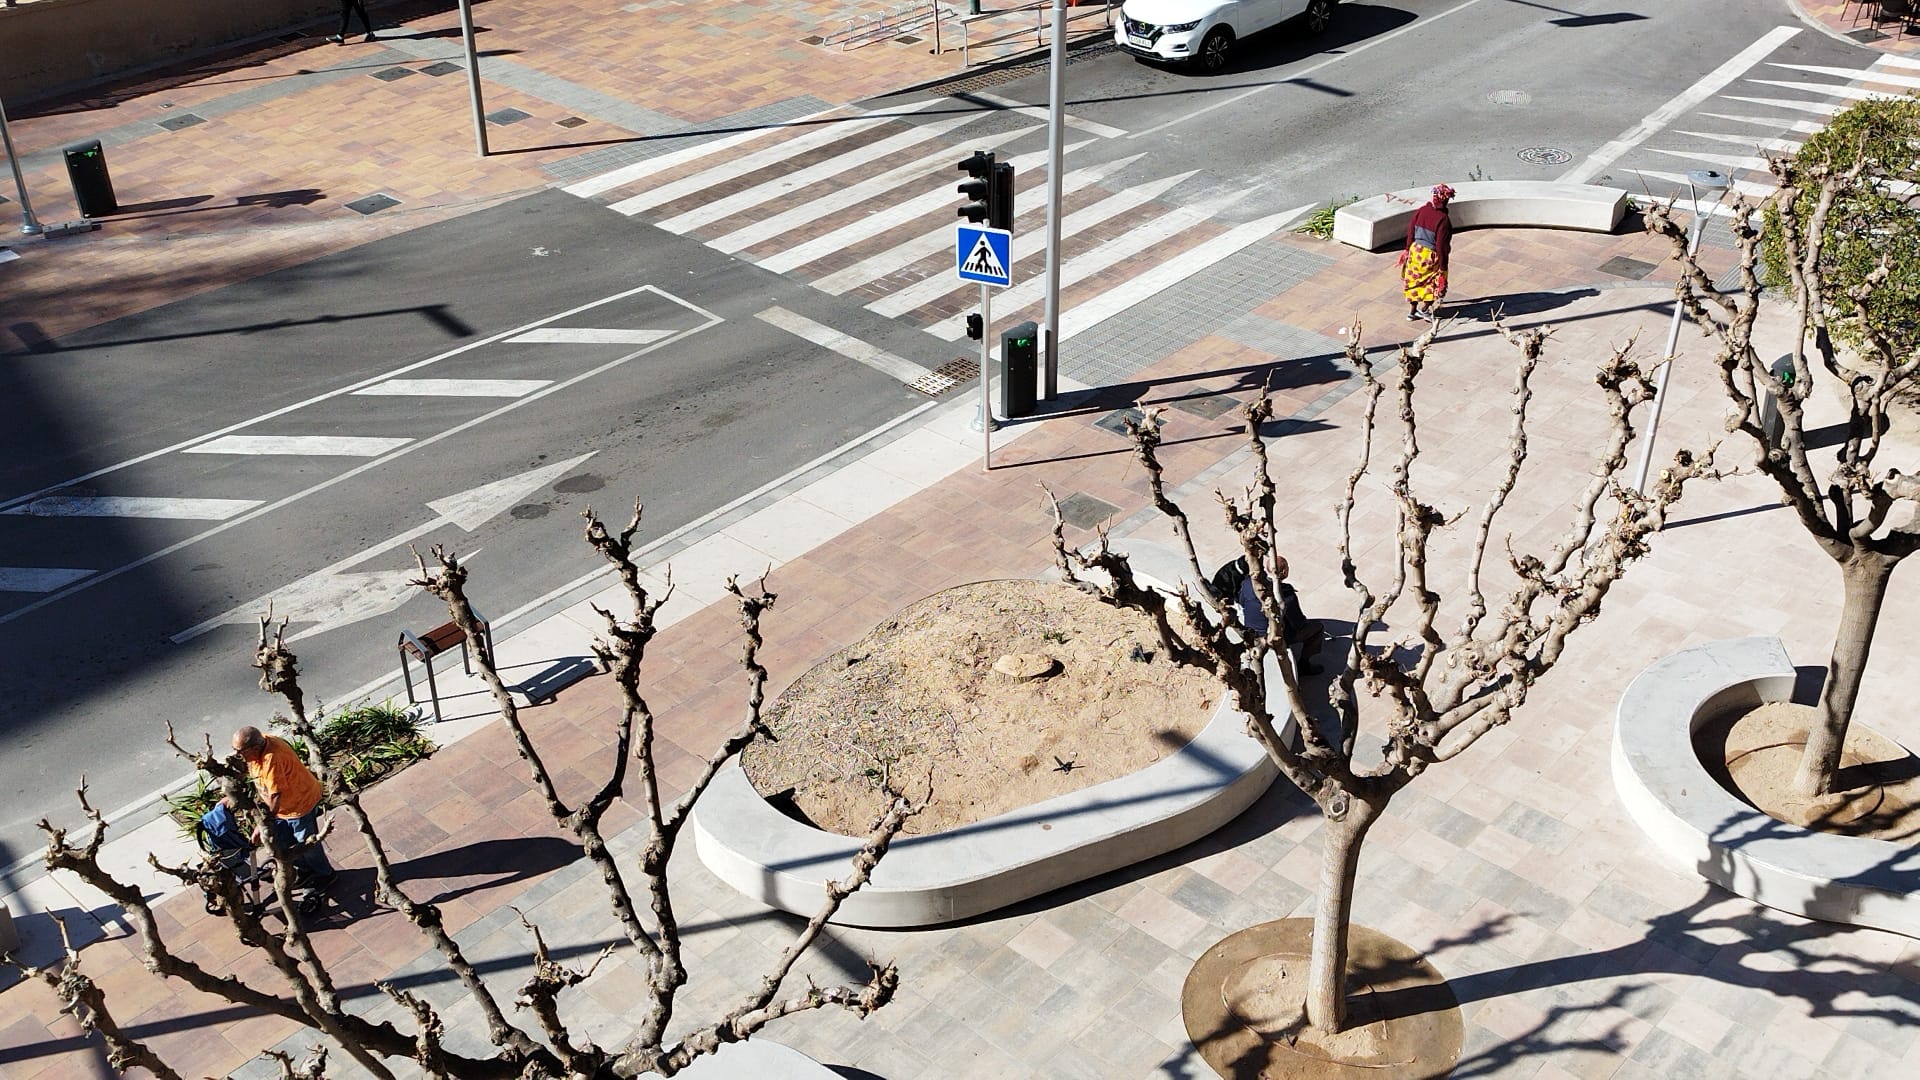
(292, 796)
(1423, 265)
(349, 8)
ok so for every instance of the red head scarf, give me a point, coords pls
(1441, 193)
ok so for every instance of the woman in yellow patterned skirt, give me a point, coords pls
(1423, 265)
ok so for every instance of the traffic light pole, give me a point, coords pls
(986, 359)
(1056, 138)
(473, 77)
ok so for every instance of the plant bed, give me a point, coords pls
(1704, 828)
(993, 850)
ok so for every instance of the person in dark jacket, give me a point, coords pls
(350, 8)
(1423, 265)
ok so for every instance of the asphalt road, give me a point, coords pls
(722, 405)
(618, 360)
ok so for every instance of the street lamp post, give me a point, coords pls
(1696, 179)
(473, 77)
(29, 225)
(1056, 148)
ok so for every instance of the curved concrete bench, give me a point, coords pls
(1381, 222)
(1697, 823)
(963, 872)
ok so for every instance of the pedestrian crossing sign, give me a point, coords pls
(984, 255)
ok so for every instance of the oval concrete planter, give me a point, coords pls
(1703, 828)
(990, 864)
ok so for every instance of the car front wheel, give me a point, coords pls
(1319, 16)
(1215, 49)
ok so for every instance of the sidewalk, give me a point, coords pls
(1575, 953)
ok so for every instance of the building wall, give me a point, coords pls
(54, 45)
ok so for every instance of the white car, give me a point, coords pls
(1203, 32)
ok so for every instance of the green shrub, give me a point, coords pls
(1869, 218)
(1320, 222)
(364, 744)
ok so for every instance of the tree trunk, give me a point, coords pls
(1339, 865)
(1864, 577)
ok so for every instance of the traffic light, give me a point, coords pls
(979, 190)
(1000, 198)
(974, 327)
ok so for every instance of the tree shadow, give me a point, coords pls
(1515, 305)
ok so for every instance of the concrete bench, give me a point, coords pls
(1381, 222)
(1702, 827)
(990, 864)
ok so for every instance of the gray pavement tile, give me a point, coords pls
(1203, 897)
(1121, 1044)
(1547, 833)
(1748, 1052)
(1137, 952)
(1671, 1056)
(1619, 902)
(1456, 827)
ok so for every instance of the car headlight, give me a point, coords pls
(1181, 28)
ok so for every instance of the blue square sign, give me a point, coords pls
(983, 254)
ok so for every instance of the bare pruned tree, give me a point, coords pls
(554, 1048)
(1435, 692)
(1863, 514)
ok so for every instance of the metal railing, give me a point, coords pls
(1040, 10)
(915, 16)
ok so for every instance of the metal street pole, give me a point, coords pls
(986, 358)
(1696, 178)
(29, 226)
(1056, 149)
(473, 77)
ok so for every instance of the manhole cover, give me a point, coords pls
(441, 68)
(184, 120)
(392, 73)
(372, 204)
(1545, 155)
(507, 116)
(571, 121)
(1510, 97)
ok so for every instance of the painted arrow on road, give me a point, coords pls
(334, 597)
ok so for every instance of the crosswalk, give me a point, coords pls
(1770, 111)
(860, 204)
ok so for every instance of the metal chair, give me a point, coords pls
(431, 643)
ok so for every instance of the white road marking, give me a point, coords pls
(1166, 227)
(333, 596)
(133, 506)
(1745, 187)
(1851, 93)
(1821, 108)
(1710, 84)
(453, 387)
(831, 132)
(1804, 127)
(587, 335)
(1350, 51)
(640, 170)
(1029, 243)
(1166, 275)
(1889, 60)
(38, 579)
(845, 344)
(1041, 112)
(786, 183)
(1781, 146)
(852, 195)
(299, 445)
(1746, 162)
(908, 252)
(106, 575)
(1872, 75)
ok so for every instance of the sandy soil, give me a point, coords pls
(1758, 751)
(919, 695)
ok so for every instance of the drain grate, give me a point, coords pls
(1083, 511)
(1545, 155)
(507, 116)
(1116, 422)
(392, 74)
(372, 204)
(571, 121)
(1510, 97)
(184, 120)
(443, 67)
(1020, 70)
(1621, 266)
(946, 376)
(1207, 406)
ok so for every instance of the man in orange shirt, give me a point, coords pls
(291, 794)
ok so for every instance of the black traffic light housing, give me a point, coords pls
(975, 328)
(1000, 198)
(978, 190)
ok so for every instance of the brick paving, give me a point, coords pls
(1575, 951)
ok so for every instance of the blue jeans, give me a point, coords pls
(311, 860)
